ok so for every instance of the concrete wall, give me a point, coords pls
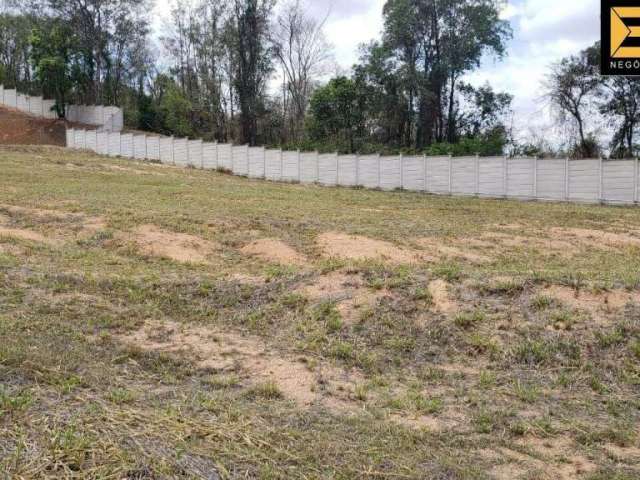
(107, 118)
(592, 180)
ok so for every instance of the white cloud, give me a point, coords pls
(346, 33)
(544, 32)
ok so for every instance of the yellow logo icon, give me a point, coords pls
(625, 32)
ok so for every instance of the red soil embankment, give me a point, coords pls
(17, 128)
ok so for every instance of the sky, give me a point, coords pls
(544, 31)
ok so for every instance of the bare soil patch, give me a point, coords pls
(7, 230)
(357, 247)
(431, 423)
(181, 247)
(275, 251)
(135, 171)
(595, 238)
(247, 279)
(441, 297)
(563, 461)
(24, 234)
(17, 128)
(559, 461)
(593, 302)
(67, 222)
(630, 453)
(248, 356)
(348, 291)
(440, 248)
(549, 245)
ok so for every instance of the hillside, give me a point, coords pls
(17, 128)
(160, 322)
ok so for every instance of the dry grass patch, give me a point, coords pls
(557, 457)
(248, 356)
(456, 249)
(595, 238)
(247, 279)
(629, 454)
(498, 240)
(258, 372)
(66, 224)
(435, 424)
(29, 235)
(591, 301)
(274, 251)
(135, 171)
(347, 290)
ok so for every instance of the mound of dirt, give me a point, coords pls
(356, 247)
(180, 247)
(275, 251)
(16, 128)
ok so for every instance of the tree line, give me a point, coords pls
(248, 71)
(592, 107)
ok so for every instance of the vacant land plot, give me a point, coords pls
(158, 322)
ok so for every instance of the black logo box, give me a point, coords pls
(615, 66)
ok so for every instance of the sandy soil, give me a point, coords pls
(347, 290)
(275, 251)
(249, 357)
(181, 247)
(356, 247)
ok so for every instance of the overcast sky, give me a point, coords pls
(543, 32)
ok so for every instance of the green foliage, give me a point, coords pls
(492, 144)
(337, 113)
(174, 109)
(15, 31)
(406, 94)
(52, 52)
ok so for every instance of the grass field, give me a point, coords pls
(158, 322)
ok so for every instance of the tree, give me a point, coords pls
(619, 102)
(436, 43)
(174, 109)
(484, 111)
(388, 109)
(337, 113)
(253, 61)
(111, 35)
(571, 87)
(52, 52)
(304, 55)
(15, 66)
(196, 44)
